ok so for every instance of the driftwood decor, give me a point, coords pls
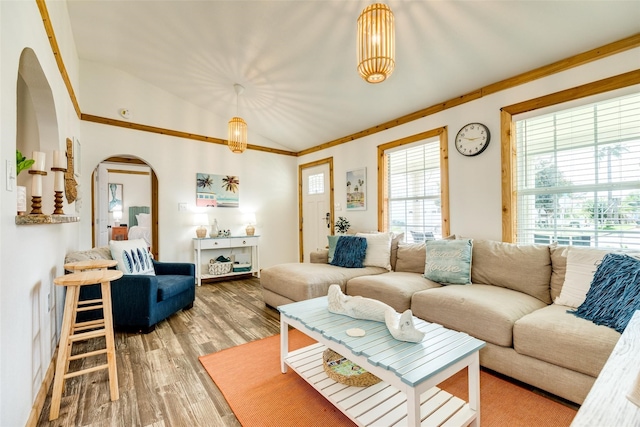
(70, 183)
(401, 328)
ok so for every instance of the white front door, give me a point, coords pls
(316, 208)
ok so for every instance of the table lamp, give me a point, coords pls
(117, 216)
(250, 219)
(201, 220)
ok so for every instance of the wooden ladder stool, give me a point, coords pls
(74, 331)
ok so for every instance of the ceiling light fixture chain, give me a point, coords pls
(376, 43)
(237, 127)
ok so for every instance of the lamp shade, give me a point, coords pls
(201, 219)
(376, 43)
(237, 135)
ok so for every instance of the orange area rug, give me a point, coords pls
(249, 378)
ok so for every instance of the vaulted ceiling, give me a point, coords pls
(297, 59)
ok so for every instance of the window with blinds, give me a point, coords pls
(413, 190)
(578, 176)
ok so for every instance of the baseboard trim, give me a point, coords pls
(38, 404)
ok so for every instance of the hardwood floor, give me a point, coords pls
(161, 381)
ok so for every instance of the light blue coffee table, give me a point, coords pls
(407, 394)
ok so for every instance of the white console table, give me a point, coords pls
(607, 403)
(244, 248)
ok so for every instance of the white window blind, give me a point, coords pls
(316, 184)
(413, 189)
(579, 175)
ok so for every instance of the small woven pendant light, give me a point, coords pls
(376, 43)
(237, 128)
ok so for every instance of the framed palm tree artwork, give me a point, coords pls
(221, 191)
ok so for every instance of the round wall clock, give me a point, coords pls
(472, 139)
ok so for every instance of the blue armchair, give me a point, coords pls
(139, 302)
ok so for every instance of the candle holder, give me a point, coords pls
(59, 184)
(36, 201)
(58, 204)
(36, 205)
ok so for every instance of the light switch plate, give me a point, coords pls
(11, 175)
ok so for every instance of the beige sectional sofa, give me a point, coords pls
(509, 305)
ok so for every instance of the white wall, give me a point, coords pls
(30, 256)
(267, 185)
(474, 182)
(268, 182)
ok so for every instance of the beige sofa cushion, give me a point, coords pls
(555, 336)
(393, 288)
(320, 257)
(558, 268)
(524, 268)
(397, 239)
(411, 257)
(483, 311)
(302, 281)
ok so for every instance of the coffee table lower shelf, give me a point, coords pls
(380, 404)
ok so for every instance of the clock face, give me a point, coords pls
(472, 139)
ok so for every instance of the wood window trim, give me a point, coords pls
(383, 196)
(508, 144)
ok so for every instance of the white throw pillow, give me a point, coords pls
(133, 256)
(582, 264)
(378, 249)
(144, 220)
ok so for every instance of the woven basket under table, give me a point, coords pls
(218, 268)
(346, 372)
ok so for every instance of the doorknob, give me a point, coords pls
(328, 219)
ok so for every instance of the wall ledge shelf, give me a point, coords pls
(45, 219)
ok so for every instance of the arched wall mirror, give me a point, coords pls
(124, 200)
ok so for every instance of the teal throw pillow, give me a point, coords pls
(350, 252)
(449, 261)
(333, 240)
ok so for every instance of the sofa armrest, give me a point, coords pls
(177, 268)
(133, 297)
(320, 257)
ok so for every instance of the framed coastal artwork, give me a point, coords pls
(222, 191)
(115, 197)
(357, 189)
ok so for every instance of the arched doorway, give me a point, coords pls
(138, 186)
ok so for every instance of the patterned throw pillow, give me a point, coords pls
(350, 252)
(449, 261)
(133, 256)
